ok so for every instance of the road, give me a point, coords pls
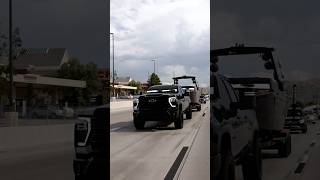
(50, 162)
(159, 151)
(303, 162)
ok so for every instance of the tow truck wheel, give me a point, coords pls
(178, 124)
(189, 113)
(227, 171)
(252, 164)
(138, 124)
(199, 107)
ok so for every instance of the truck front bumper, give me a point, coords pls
(169, 114)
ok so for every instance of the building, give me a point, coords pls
(35, 78)
(43, 61)
(122, 87)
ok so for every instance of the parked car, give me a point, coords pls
(295, 120)
(46, 111)
(207, 97)
(162, 103)
(203, 99)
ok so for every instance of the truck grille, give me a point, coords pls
(154, 102)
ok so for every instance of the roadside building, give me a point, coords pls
(122, 87)
(36, 81)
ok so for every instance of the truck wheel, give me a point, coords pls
(252, 164)
(227, 170)
(285, 148)
(189, 113)
(304, 128)
(138, 123)
(178, 124)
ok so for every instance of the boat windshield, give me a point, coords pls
(292, 112)
(162, 89)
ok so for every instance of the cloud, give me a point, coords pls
(78, 25)
(271, 23)
(175, 33)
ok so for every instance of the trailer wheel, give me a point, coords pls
(304, 128)
(199, 107)
(252, 164)
(285, 148)
(189, 113)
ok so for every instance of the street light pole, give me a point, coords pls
(10, 58)
(154, 66)
(113, 64)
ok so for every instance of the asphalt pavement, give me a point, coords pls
(159, 151)
(302, 163)
(49, 162)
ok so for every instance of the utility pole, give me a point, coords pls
(113, 64)
(10, 58)
(154, 66)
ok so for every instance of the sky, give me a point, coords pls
(176, 33)
(290, 26)
(81, 26)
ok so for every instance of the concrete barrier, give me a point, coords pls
(28, 136)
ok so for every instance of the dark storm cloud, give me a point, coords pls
(81, 26)
(292, 27)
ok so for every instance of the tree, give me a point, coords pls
(88, 73)
(154, 80)
(4, 53)
(137, 84)
(16, 43)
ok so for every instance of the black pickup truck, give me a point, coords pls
(234, 131)
(90, 144)
(162, 103)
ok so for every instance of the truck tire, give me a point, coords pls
(189, 113)
(178, 124)
(252, 164)
(227, 168)
(285, 148)
(138, 123)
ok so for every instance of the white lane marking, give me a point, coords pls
(305, 158)
(115, 129)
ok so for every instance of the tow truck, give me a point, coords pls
(192, 91)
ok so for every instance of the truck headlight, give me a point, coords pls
(172, 101)
(81, 131)
(135, 104)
